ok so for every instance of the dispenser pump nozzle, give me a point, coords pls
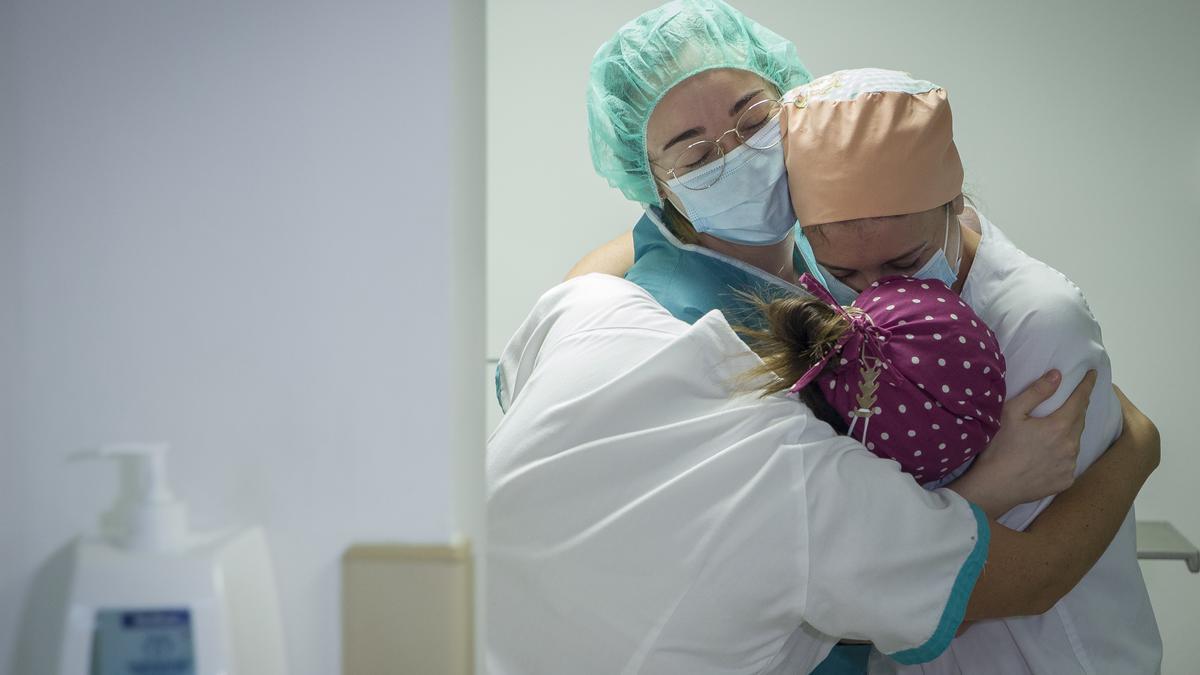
(146, 515)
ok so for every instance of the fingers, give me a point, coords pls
(1077, 403)
(1033, 396)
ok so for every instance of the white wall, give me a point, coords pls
(468, 246)
(228, 225)
(1078, 125)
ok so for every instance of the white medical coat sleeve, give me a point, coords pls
(585, 303)
(1058, 331)
(1105, 624)
(890, 561)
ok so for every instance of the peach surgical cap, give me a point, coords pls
(868, 143)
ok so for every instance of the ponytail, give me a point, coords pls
(797, 333)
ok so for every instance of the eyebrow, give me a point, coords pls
(690, 133)
(915, 250)
(696, 131)
(737, 107)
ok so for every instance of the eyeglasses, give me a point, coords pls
(687, 168)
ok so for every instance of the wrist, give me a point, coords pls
(981, 493)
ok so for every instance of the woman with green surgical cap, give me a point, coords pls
(683, 117)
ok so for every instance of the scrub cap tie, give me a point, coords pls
(919, 377)
(632, 72)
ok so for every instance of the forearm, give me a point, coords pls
(1027, 572)
(1076, 529)
(614, 257)
(982, 492)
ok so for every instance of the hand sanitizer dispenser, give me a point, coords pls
(145, 595)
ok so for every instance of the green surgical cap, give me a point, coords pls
(632, 72)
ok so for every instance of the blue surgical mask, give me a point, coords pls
(841, 292)
(844, 295)
(937, 268)
(750, 204)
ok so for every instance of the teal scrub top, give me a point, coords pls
(690, 281)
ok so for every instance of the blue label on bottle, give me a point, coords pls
(143, 642)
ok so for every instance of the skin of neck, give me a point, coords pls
(774, 259)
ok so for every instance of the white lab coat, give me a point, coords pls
(1105, 625)
(645, 517)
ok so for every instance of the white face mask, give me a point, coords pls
(750, 204)
(936, 269)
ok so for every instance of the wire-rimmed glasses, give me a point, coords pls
(696, 168)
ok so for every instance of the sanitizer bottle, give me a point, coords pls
(145, 595)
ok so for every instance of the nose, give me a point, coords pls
(729, 145)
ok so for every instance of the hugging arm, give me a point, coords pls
(1027, 572)
(923, 561)
(1031, 457)
(614, 257)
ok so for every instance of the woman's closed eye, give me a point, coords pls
(695, 160)
(909, 261)
(905, 266)
(750, 128)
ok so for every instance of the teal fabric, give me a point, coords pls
(690, 284)
(499, 398)
(659, 49)
(956, 606)
(845, 660)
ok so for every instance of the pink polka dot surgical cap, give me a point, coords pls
(919, 377)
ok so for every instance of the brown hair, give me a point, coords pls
(798, 332)
(678, 224)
